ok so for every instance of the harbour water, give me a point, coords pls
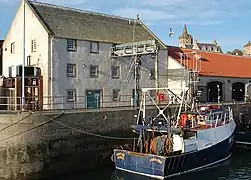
(237, 167)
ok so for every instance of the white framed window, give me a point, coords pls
(115, 72)
(115, 95)
(94, 71)
(94, 47)
(28, 61)
(33, 46)
(71, 45)
(71, 70)
(12, 48)
(71, 95)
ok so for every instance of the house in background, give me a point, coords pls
(245, 52)
(247, 49)
(236, 52)
(1, 56)
(186, 41)
(220, 75)
(74, 50)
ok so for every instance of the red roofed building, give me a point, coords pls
(220, 75)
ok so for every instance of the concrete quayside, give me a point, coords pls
(46, 143)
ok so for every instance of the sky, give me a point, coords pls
(227, 21)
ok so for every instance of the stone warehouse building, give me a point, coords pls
(74, 50)
(220, 75)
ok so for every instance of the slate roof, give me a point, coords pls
(85, 25)
(214, 64)
(206, 45)
(248, 44)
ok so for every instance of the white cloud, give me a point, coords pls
(146, 14)
(196, 12)
(206, 12)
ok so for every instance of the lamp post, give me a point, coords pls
(23, 96)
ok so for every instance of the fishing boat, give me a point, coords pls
(169, 145)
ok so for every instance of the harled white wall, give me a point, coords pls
(83, 82)
(34, 30)
(177, 76)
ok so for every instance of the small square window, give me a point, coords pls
(71, 45)
(33, 46)
(94, 71)
(94, 47)
(28, 61)
(115, 72)
(12, 48)
(71, 95)
(115, 95)
(71, 70)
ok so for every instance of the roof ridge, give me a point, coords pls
(224, 54)
(80, 10)
(218, 53)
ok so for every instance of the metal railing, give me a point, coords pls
(64, 102)
(82, 102)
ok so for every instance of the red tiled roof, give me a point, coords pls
(213, 64)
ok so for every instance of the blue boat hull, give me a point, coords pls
(162, 167)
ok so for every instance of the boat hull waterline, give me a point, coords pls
(161, 167)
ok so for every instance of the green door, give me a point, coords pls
(93, 99)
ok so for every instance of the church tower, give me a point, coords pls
(185, 38)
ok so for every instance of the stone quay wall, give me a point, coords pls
(33, 145)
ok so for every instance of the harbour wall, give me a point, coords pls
(43, 144)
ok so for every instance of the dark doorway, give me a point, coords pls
(214, 90)
(93, 98)
(238, 91)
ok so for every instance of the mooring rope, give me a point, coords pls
(46, 122)
(6, 127)
(92, 134)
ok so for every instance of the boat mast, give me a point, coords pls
(137, 82)
(136, 69)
